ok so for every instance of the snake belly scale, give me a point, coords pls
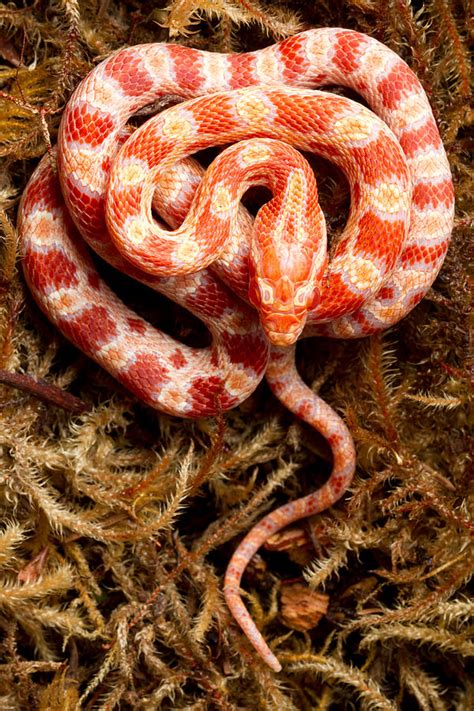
(258, 285)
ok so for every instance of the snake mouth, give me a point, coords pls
(282, 339)
(283, 329)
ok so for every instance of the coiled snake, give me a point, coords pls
(210, 256)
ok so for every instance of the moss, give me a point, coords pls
(118, 522)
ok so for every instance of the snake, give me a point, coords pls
(139, 199)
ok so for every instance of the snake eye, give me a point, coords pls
(303, 295)
(267, 295)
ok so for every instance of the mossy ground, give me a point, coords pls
(118, 522)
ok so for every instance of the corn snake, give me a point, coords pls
(394, 244)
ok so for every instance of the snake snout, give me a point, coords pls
(283, 329)
(282, 339)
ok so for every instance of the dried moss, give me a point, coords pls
(118, 522)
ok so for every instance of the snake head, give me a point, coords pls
(284, 293)
(288, 252)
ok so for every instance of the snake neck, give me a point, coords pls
(288, 253)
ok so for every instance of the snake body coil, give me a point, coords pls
(214, 261)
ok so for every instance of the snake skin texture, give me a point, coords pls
(258, 285)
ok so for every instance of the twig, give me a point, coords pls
(44, 391)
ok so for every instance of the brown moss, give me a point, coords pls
(118, 522)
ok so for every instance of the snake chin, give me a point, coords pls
(281, 339)
(283, 329)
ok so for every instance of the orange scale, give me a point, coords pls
(379, 159)
(218, 120)
(336, 300)
(433, 194)
(398, 83)
(386, 293)
(413, 254)
(83, 201)
(362, 86)
(215, 358)
(278, 385)
(334, 439)
(90, 329)
(210, 299)
(303, 114)
(422, 195)
(93, 280)
(130, 73)
(420, 138)
(316, 78)
(304, 410)
(241, 70)
(441, 248)
(355, 195)
(245, 349)
(330, 152)
(347, 50)
(34, 198)
(436, 251)
(145, 376)
(105, 164)
(293, 60)
(210, 230)
(42, 195)
(448, 192)
(415, 299)
(87, 125)
(136, 325)
(118, 211)
(359, 318)
(149, 148)
(338, 483)
(187, 68)
(207, 396)
(178, 359)
(152, 262)
(379, 238)
(78, 245)
(43, 189)
(50, 270)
